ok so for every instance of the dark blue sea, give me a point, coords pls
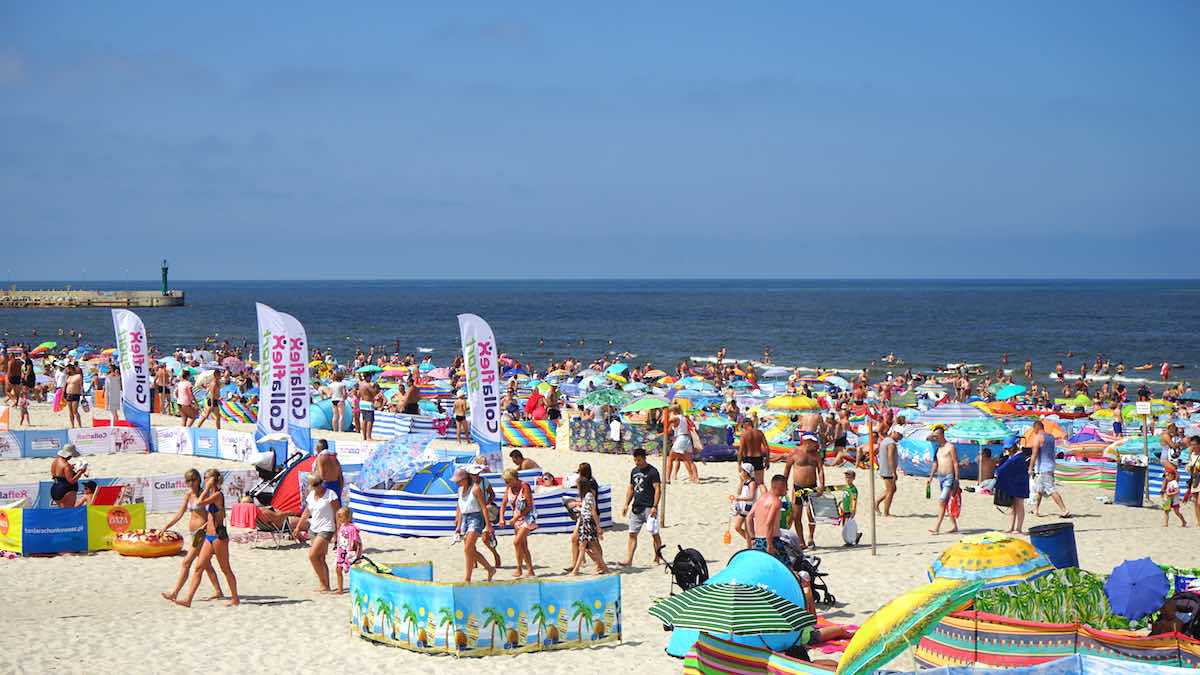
(839, 323)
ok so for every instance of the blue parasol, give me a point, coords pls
(1136, 588)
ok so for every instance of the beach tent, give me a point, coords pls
(287, 493)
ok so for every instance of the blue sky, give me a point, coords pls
(264, 140)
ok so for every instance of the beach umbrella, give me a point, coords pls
(906, 400)
(592, 381)
(980, 430)
(737, 609)
(951, 413)
(837, 381)
(718, 421)
(654, 373)
(792, 402)
(993, 558)
(645, 403)
(544, 388)
(634, 387)
(587, 371)
(229, 390)
(314, 363)
(901, 623)
(1009, 391)
(434, 479)
(613, 397)
(667, 379)
(369, 368)
(740, 384)
(1193, 396)
(776, 371)
(1136, 588)
(233, 364)
(616, 377)
(396, 460)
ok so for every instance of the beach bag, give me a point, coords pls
(58, 400)
(489, 496)
(84, 405)
(694, 438)
(954, 504)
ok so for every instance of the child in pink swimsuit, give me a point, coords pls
(349, 545)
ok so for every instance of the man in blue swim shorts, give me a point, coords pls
(945, 469)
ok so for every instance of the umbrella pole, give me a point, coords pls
(1146, 450)
(871, 468)
(662, 502)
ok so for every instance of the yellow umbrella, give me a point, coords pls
(792, 402)
(995, 558)
(902, 623)
(314, 363)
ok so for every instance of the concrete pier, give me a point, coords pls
(65, 298)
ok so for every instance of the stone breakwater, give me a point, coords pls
(20, 298)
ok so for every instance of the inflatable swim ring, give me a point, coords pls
(148, 543)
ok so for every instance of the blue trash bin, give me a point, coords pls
(1131, 485)
(1057, 542)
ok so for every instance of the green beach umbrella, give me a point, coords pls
(369, 368)
(980, 430)
(645, 403)
(737, 609)
(613, 397)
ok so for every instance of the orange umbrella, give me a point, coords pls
(655, 373)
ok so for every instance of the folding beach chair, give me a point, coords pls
(108, 495)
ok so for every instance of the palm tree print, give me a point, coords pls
(582, 611)
(445, 617)
(537, 616)
(494, 619)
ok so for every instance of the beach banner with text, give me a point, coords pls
(135, 370)
(272, 372)
(481, 361)
(299, 392)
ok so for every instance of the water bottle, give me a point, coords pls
(727, 538)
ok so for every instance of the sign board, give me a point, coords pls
(1143, 408)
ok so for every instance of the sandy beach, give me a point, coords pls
(73, 613)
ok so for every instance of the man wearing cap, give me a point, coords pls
(806, 469)
(945, 469)
(65, 476)
(888, 460)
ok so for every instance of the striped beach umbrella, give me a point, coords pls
(993, 558)
(737, 609)
(951, 413)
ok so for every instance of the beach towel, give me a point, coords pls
(58, 400)
(832, 646)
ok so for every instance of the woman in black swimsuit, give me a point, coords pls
(66, 477)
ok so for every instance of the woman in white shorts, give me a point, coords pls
(681, 448)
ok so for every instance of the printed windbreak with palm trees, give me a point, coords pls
(484, 619)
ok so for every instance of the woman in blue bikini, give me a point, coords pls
(216, 540)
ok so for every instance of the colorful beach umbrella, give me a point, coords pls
(993, 558)
(792, 402)
(902, 623)
(369, 368)
(737, 609)
(837, 381)
(654, 373)
(645, 403)
(776, 371)
(981, 430)
(396, 460)
(1136, 588)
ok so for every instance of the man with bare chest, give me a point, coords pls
(807, 472)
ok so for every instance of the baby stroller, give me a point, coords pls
(811, 566)
(269, 474)
(687, 570)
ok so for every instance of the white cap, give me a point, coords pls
(473, 469)
(748, 467)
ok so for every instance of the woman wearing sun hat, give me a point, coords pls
(470, 518)
(65, 476)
